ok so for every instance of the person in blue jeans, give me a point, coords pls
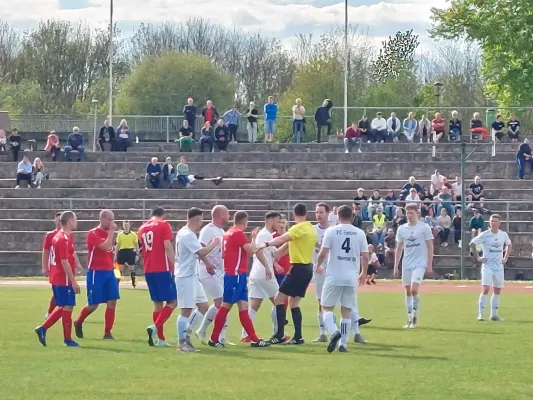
(74, 143)
(379, 228)
(298, 121)
(390, 205)
(271, 115)
(446, 201)
(207, 137)
(523, 157)
(362, 201)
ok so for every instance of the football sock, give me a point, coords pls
(248, 325)
(132, 275)
(416, 305)
(52, 305)
(274, 321)
(208, 318)
(66, 318)
(321, 323)
(355, 322)
(109, 320)
(329, 322)
(84, 313)
(53, 318)
(251, 314)
(297, 321)
(220, 320)
(482, 301)
(494, 304)
(182, 327)
(194, 320)
(345, 331)
(164, 315)
(155, 315)
(409, 304)
(281, 314)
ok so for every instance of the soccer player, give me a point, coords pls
(191, 293)
(127, 250)
(155, 237)
(63, 264)
(45, 258)
(497, 248)
(237, 248)
(102, 284)
(301, 239)
(415, 240)
(347, 249)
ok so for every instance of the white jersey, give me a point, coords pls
(258, 269)
(493, 246)
(332, 219)
(415, 251)
(207, 234)
(320, 236)
(187, 245)
(345, 243)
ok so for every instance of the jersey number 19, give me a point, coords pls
(148, 240)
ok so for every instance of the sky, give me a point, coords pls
(280, 18)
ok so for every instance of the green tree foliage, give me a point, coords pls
(22, 98)
(396, 56)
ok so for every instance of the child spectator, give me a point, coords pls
(52, 145)
(514, 128)
(373, 264)
(445, 224)
(457, 226)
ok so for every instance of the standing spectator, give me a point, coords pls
(361, 200)
(323, 118)
(123, 139)
(298, 121)
(446, 201)
(74, 143)
(107, 135)
(232, 119)
(169, 173)
(457, 226)
(271, 116)
(399, 219)
(153, 174)
(24, 171)
(437, 181)
(411, 184)
(476, 126)
(390, 205)
(476, 195)
(523, 157)
(15, 140)
(379, 128)
(497, 127)
(477, 223)
(365, 129)
(445, 224)
(185, 137)
(352, 138)
(410, 127)
(221, 135)
(390, 243)
(357, 221)
(393, 127)
(514, 128)
(438, 126)
(183, 173)
(373, 265)
(457, 189)
(52, 145)
(207, 137)
(374, 202)
(379, 228)
(3, 140)
(210, 113)
(38, 172)
(424, 129)
(252, 114)
(456, 126)
(189, 113)
(427, 202)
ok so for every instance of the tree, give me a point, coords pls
(396, 56)
(22, 98)
(160, 86)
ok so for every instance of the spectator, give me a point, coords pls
(169, 173)
(3, 140)
(432, 222)
(323, 118)
(393, 127)
(457, 189)
(424, 128)
(413, 197)
(38, 172)
(221, 135)
(298, 121)
(390, 242)
(332, 217)
(437, 127)
(271, 116)
(374, 202)
(446, 201)
(476, 126)
(390, 205)
(514, 128)
(232, 119)
(123, 139)
(373, 264)
(106, 136)
(476, 195)
(189, 114)
(361, 200)
(523, 157)
(52, 145)
(210, 113)
(399, 219)
(445, 224)
(379, 228)
(456, 126)
(185, 137)
(427, 202)
(365, 129)
(207, 137)
(477, 223)
(252, 115)
(497, 127)
(74, 143)
(24, 171)
(184, 173)
(457, 226)
(15, 140)
(352, 138)
(437, 181)
(411, 184)
(410, 127)
(153, 174)
(379, 128)
(357, 221)
(446, 183)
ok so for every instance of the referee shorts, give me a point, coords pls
(297, 280)
(126, 256)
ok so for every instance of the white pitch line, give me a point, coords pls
(462, 286)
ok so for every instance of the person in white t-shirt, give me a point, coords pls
(332, 217)
(346, 249)
(415, 241)
(497, 248)
(190, 291)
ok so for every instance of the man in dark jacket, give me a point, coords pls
(523, 157)
(210, 113)
(189, 113)
(323, 118)
(107, 135)
(74, 142)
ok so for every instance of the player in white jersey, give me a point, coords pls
(347, 265)
(190, 291)
(497, 248)
(415, 240)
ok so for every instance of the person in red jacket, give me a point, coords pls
(352, 138)
(437, 127)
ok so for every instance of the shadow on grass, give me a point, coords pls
(106, 349)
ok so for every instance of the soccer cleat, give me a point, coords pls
(189, 343)
(496, 318)
(246, 339)
(333, 342)
(323, 338)
(162, 343)
(277, 340)
(71, 343)
(261, 343)
(296, 341)
(108, 336)
(78, 329)
(480, 317)
(364, 321)
(186, 347)
(227, 342)
(216, 344)
(41, 334)
(343, 349)
(202, 337)
(357, 338)
(408, 325)
(414, 323)
(152, 335)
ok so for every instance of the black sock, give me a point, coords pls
(132, 274)
(281, 313)
(297, 321)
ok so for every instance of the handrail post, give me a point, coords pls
(507, 217)
(168, 133)
(144, 210)
(71, 206)
(493, 143)
(288, 212)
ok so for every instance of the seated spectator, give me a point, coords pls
(24, 171)
(476, 195)
(446, 183)
(379, 128)
(221, 135)
(410, 126)
(3, 140)
(456, 127)
(477, 223)
(357, 220)
(379, 228)
(361, 200)
(514, 128)
(123, 137)
(232, 119)
(183, 173)
(424, 129)
(189, 113)
(153, 174)
(207, 137)
(446, 201)
(169, 173)
(523, 157)
(106, 136)
(323, 118)
(427, 202)
(411, 184)
(352, 138)
(373, 264)
(476, 127)
(390, 243)
(390, 205)
(437, 181)
(393, 127)
(497, 127)
(457, 189)
(432, 222)
(365, 129)
(15, 140)
(445, 224)
(457, 226)
(399, 219)
(52, 145)
(413, 197)
(438, 127)
(38, 173)
(75, 143)
(185, 138)
(374, 202)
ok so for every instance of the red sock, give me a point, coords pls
(165, 314)
(52, 305)
(248, 325)
(220, 321)
(53, 317)
(84, 313)
(109, 320)
(155, 315)
(67, 324)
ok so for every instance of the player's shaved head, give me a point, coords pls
(68, 220)
(240, 217)
(106, 218)
(220, 215)
(106, 214)
(345, 214)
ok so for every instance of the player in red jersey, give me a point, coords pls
(155, 237)
(102, 284)
(45, 255)
(63, 264)
(283, 265)
(236, 251)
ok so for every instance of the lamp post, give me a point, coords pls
(438, 92)
(95, 104)
(345, 65)
(110, 100)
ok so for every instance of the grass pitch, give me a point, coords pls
(451, 356)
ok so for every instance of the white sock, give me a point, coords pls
(222, 336)
(330, 322)
(345, 331)
(482, 301)
(274, 320)
(194, 320)
(321, 323)
(182, 327)
(416, 303)
(409, 304)
(251, 313)
(494, 304)
(208, 319)
(355, 322)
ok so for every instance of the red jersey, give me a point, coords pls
(235, 257)
(285, 261)
(152, 236)
(47, 243)
(62, 249)
(99, 260)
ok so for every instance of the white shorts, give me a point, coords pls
(190, 292)
(319, 284)
(492, 278)
(410, 276)
(338, 295)
(213, 286)
(262, 288)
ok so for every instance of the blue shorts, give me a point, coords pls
(102, 286)
(280, 278)
(270, 126)
(162, 286)
(64, 296)
(235, 288)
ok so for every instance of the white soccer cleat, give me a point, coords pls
(408, 325)
(226, 342)
(359, 339)
(323, 338)
(480, 317)
(202, 337)
(496, 318)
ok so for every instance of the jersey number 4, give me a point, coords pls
(346, 245)
(148, 240)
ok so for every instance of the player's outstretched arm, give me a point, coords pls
(280, 252)
(277, 242)
(169, 251)
(262, 259)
